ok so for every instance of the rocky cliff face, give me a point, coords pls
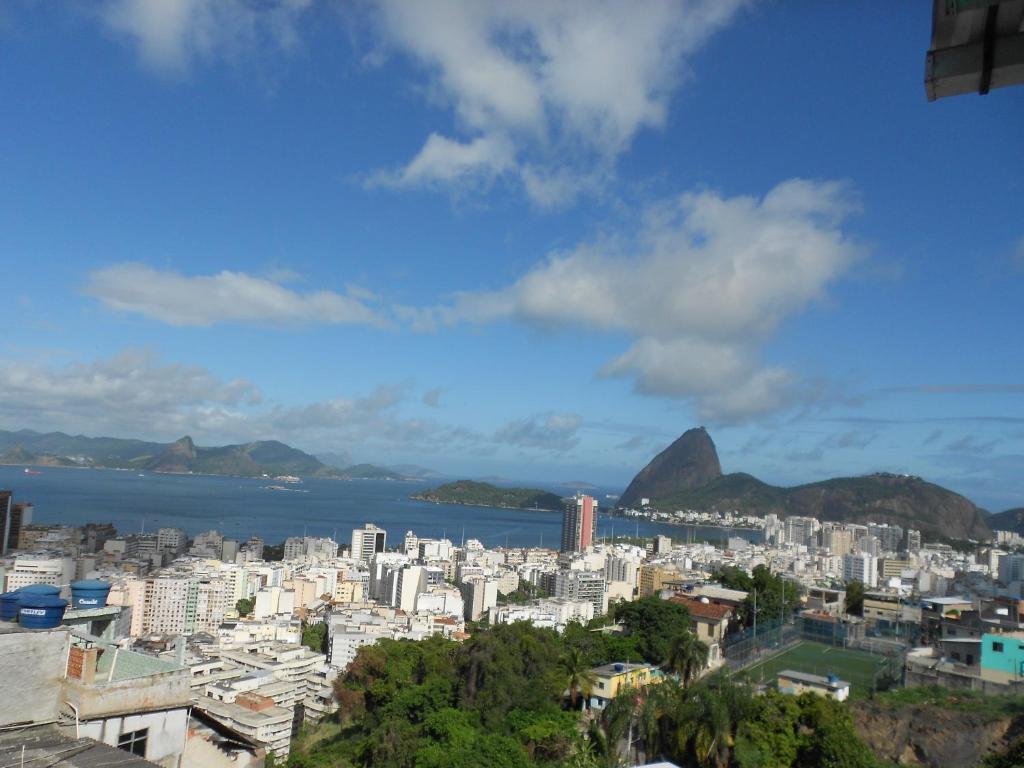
(178, 457)
(690, 462)
(932, 736)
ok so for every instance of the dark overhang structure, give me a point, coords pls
(977, 45)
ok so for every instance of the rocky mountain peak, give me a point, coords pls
(690, 462)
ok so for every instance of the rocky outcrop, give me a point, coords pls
(690, 462)
(933, 736)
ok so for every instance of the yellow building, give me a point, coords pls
(610, 679)
(652, 578)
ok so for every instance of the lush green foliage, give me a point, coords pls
(511, 696)
(652, 623)
(855, 598)
(487, 495)
(314, 637)
(775, 595)
(245, 606)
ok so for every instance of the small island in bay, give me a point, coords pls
(476, 494)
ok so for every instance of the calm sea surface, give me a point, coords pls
(240, 507)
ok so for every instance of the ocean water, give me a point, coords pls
(241, 507)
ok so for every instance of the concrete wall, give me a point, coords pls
(31, 664)
(101, 700)
(165, 739)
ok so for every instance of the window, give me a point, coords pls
(997, 647)
(134, 742)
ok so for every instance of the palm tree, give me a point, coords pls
(687, 656)
(579, 678)
(708, 715)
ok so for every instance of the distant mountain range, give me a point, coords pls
(688, 475)
(264, 457)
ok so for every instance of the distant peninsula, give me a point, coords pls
(264, 458)
(475, 494)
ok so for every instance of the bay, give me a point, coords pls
(241, 507)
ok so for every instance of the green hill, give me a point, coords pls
(478, 494)
(370, 472)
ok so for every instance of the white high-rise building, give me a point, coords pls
(861, 567)
(171, 540)
(367, 541)
(588, 586)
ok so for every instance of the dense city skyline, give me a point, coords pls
(404, 237)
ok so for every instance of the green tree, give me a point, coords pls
(776, 597)
(245, 606)
(707, 716)
(687, 656)
(314, 636)
(855, 598)
(651, 622)
(578, 677)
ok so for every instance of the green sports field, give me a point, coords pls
(856, 667)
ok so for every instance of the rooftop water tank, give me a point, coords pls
(41, 611)
(89, 593)
(9, 606)
(620, 667)
(37, 590)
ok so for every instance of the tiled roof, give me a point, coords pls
(701, 610)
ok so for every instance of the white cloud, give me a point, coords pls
(130, 393)
(570, 83)
(442, 160)
(550, 431)
(224, 297)
(704, 284)
(170, 34)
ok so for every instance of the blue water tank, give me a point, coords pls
(89, 593)
(41, 611)
(9, 606)
(620, 667)
(39, 590)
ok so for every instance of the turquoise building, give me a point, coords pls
(1002, 657)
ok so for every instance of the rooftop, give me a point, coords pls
(804, 677)
(45, 745)
(700, 610)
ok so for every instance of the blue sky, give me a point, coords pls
(531, 240)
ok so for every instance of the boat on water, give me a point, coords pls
(29, 471)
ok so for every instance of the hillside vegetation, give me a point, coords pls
(478, 494)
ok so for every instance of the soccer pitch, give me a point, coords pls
(856, 667)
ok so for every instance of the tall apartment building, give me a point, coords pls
(837, 539)
(368, 541)
(294, 548)
(890, 537)
(12, 518)
(579, 523)
(171, 541)
(913, 541)
(799, 530)
(860, 567)
(184, 605)
(583, 586)
(1011, 568)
